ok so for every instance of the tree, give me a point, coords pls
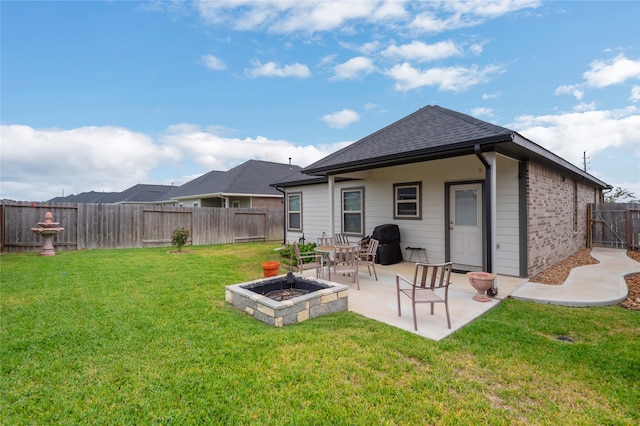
(620, 195)
(179, 238)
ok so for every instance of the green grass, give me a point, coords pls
(145, 337)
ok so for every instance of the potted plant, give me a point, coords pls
(481, 281)
(270, 269)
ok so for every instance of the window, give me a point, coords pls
(235, 204)
(294, 212)
(353, 211)
(407, 204)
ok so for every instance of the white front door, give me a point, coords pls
(465, 224)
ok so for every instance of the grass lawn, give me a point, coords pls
(145, 337)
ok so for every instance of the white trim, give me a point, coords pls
(332, 219)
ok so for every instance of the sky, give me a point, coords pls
(103, 95)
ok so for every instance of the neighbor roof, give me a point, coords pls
(140, 193)
(249, 178)
(431, 133)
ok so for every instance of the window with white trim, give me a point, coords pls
(294, 211)
(407, 200)
(353, 211)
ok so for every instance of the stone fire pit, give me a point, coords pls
(287, 299)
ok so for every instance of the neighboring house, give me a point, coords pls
(470, 192)
(137, 194)
(83, 197)
(244, 186)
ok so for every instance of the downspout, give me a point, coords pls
(225, 199)
(487, 206)
(284, 216)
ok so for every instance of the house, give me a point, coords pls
(470, 192)
(244, 186)
(137, 194)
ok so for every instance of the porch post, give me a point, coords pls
(491, 158)
(488, 206)
(331, 206)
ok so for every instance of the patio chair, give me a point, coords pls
(326, 241)
(303, 263)
(367, 256)
(426, 279)
(345, 261)
(342, 239)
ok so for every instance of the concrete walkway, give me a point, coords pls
(593, 285)
(602, 284)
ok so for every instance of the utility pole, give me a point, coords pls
(584, 160)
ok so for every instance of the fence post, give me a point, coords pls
(589, 207)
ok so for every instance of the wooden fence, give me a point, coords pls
(615, 225)
(97, 226)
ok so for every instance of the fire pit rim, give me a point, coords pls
(332, 287)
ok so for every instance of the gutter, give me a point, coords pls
(487, 206)
(284, 216)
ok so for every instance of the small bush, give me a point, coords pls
(179, 238)
(289, 253)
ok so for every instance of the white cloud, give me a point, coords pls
(419, 51)
(114, 159)
(479, 112)
(354, 68)
(450, 15)
(489, 8)
(365, 48)
(614, 71)
(476, 48)
(494, 95)
(635, 94)
(213, 63)
(568, 89)
(341, 119)
(293, 16)
(570, 134)
(271, 69)
(309, 17)
(453, 79)
(37, 164)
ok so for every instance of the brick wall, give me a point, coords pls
(556, 216)
(266, 203)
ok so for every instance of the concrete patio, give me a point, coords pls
(377, 300)
(593, 285)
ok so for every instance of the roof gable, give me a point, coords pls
(430, 129)
(251, 177)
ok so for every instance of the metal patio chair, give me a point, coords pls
(426, 279)
(368, 256)
(345, 261)
(308, 260)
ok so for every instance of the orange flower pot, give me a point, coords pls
(270, 269)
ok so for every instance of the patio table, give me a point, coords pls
(326, 253)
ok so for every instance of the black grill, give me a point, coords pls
(389, 251)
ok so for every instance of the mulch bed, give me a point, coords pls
(558, 273)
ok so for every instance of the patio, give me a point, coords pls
(377, 300)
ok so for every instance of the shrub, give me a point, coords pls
(179, 238)
(289, 253)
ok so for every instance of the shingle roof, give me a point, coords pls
(250, 177)
(199, 185)
(428, 130)
(142, 193)
(434, 132)
(85, 197)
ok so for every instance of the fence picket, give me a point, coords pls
(96, 226)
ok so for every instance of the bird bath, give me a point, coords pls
(47, 229)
